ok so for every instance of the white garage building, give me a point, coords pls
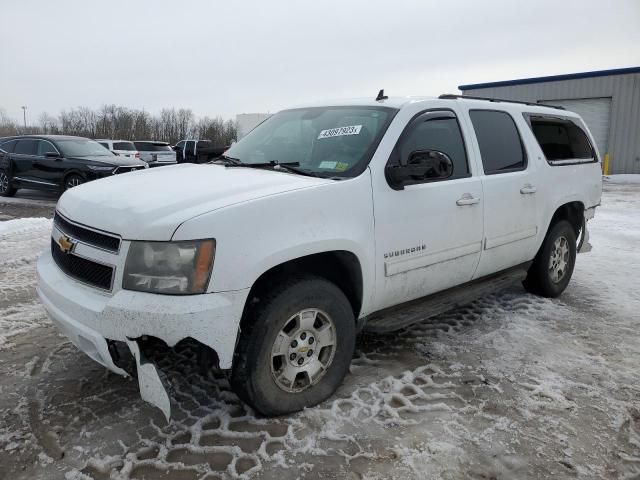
(607, 100)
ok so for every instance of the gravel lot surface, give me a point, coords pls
(511, 386)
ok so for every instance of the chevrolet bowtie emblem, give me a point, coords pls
(303, 349)
(66, 244)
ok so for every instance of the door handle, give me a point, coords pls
(467, 199)
(528, 189)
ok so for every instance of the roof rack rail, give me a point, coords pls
(450, 96)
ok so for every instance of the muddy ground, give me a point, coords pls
(511, 386)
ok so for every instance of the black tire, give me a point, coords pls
(544, 277)
(253, 377)
(6, 184)
(73, 180)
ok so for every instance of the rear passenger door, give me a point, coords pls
(509, 190)
(24, 154)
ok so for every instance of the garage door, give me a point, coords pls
(596, 113)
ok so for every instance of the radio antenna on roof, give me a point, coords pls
(381, 96)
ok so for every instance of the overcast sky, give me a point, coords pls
(223, 58)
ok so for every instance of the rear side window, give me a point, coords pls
(8, 146)
(561, 139)
(500, 144)
(124, 146)
(27, 147)
(441, 134)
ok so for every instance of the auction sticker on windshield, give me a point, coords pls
(340, 131)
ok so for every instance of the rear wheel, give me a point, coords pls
(6, 184)
(73, 181)
(552, 268)
(296, 346)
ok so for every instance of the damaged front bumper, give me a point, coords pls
(89, 318)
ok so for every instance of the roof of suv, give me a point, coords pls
(400, 102)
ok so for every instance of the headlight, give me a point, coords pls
(177, 268)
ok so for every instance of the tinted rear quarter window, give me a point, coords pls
(561, 139)
(8, 146)
(500, 146)
(124, 146)
(26, 147)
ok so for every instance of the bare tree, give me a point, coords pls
(113, 121)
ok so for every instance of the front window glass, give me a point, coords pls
(82, 147)
(45, 147)
(330, 141)
(441, 134)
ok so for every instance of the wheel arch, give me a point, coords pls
(572, 211)
(341, 267)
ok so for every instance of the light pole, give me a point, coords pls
(24, 116)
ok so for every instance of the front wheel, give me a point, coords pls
(6, 184)
(552, 268)
(73, 181)
(295, 347)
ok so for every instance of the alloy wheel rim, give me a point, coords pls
(4, 182)
(73, 182)
(559, 259)
(303, 350)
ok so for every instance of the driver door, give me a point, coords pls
(429, 230)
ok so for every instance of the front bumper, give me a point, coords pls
(90, 317)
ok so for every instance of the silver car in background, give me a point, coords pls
(156, 153)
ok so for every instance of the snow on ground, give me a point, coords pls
(511, 386)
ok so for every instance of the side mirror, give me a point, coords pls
(52, 155)
(422, 165)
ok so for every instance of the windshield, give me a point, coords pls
(82, 147)
(329, 141)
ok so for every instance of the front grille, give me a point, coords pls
(90, 237)
(83, 270)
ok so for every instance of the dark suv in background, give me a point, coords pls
(56, 162)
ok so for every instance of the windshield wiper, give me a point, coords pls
(288, 166)
(293, 167)
(229, 161)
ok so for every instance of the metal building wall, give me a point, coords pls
(624, 90)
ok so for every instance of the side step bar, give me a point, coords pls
(400, 316)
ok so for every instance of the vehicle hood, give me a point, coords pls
(110, 160)
(151, 204)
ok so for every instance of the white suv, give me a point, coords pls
(122, 148)
(323, 221)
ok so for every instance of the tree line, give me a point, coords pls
(121, 123)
